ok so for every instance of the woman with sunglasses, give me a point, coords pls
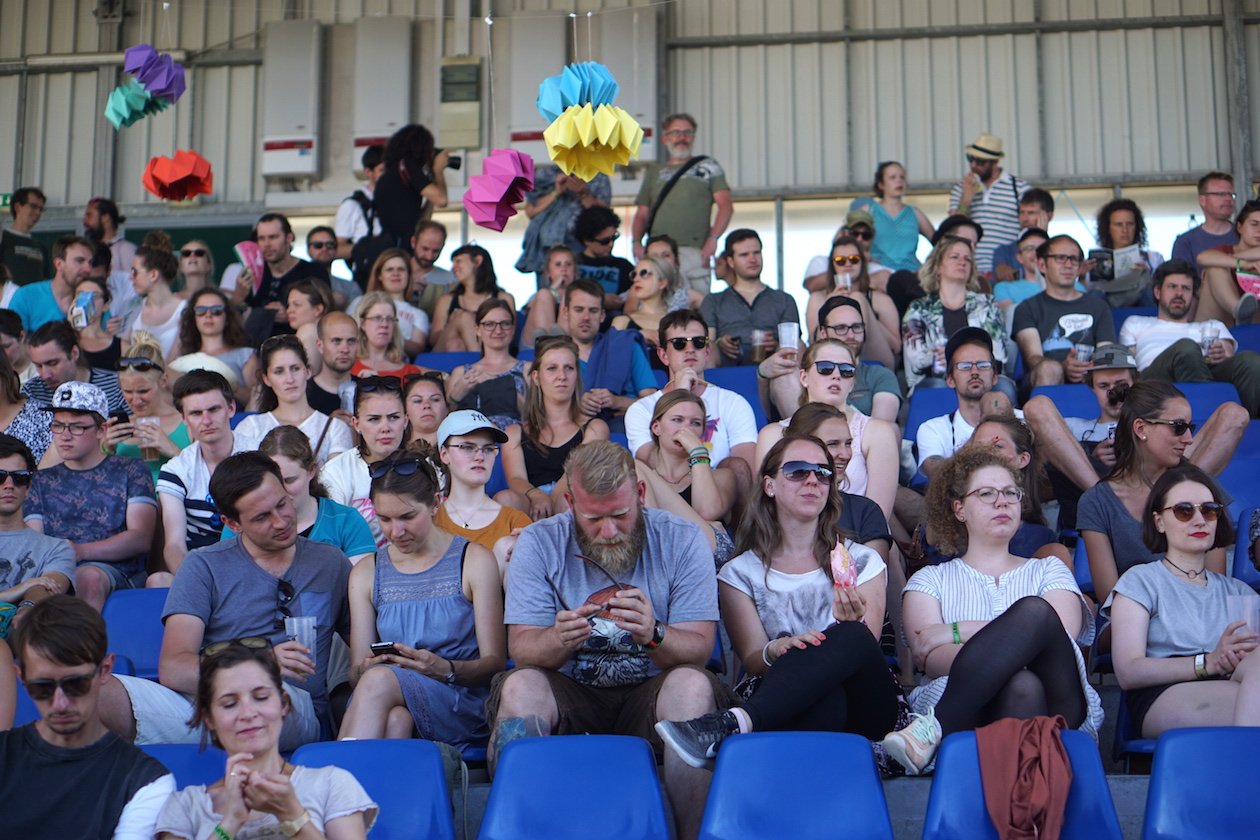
(424, 395)
(495, 383)
(849, 278)
(1152, 437)
(806, 635)
(282, 402)
(455, 325)
(468, 443)
(153, 270)
(898, 225)
(305, 302)
(196, 268)
(99, 347)
(997, 634)
(380, 342)
(551, 427)
(1224, 298)
(391, 273)
(381, 421)
(654, 289)
(828, 371)
(1181, 651)
(953, 296)
(155, 431)
(437, 601)
(242, 704)
(211, 325)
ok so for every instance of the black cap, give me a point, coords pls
(967, 335)
(835, 302)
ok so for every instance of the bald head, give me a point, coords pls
(338, 341)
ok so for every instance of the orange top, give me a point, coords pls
(502, 525)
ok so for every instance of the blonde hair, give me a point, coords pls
(930, 273)
(145, 346)
(395, 351)
(600, 467)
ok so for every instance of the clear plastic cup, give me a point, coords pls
(1211, 335)
(1244, 608)
(790, 335)
(1084, 352)
(301, 629)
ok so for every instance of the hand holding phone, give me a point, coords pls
(383, 648)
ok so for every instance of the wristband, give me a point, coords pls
(957, 636)
(1237, 266)
(291, 827)
(1200, 666)
(221, 833)
(765, 651)
(25, 603)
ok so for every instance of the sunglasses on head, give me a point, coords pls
(21, 478)
(801, 470)
(371, 384)
(851, 259)
(251, 642)
(137, 363)
(847, 370)
(1184, 511)
(74, 686)
(699, 342)
(402, 467)
(192, 252)
(1179, 427)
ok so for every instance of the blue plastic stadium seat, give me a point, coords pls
(498, 478)
(1080, 568)
(1071, 400)
(1247, 336)
(619, 438)
(1241, 479)
(1203, 784)
(239, 416)
(956, 809)
(742, 807)
(446, 362)
(404, 777)
(133, 620)
(26, 709)
(191, 764)
(1206, 397)
(926, 403)
(1243, 568)
(1128, 742)
(571, 787)
(742, 380)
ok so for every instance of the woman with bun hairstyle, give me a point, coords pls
(153, 270)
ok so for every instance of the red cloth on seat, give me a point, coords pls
(1026, 775)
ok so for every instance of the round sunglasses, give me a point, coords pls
(1184, 511)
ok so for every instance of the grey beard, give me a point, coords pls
(620, 557)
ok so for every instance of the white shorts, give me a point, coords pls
(693, 269)
(162, 715)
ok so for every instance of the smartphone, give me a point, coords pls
(382, 648)
(119, 416)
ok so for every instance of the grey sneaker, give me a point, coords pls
(914, 747)
(1246, 308)
(696, 741)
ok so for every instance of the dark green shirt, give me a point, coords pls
(26, 258)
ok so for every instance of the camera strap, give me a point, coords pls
(669, 185)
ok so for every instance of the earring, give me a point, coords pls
(1141, 437)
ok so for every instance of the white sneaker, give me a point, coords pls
(914, 747)
(1246, 308)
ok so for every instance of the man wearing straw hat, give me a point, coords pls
(990, 196)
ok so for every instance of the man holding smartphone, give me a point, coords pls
(990, 196)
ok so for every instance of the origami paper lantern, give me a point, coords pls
(506, 177)
(130, 102)
(586, 141)
(161, 75)
(178, 178)
(577, 84)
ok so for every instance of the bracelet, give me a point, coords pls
(957, 636)
(764, 657)
(25, 603)
(691, 462)
(697, 451)
(1237, 266)
(1200, 666)
(221, 833)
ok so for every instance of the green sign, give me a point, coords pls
(6, 199)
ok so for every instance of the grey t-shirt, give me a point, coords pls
(675, 571)
(1101, 510)
(26, 554)
(223, 586)
(1186, 619)
(1062, 323)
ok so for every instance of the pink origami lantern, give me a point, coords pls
(506, 178)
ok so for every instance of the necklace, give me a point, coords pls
(457, 515)
(1190, 573)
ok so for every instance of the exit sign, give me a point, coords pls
(6, 199)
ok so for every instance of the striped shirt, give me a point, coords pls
(106, 380)
(186, 478)
(996, 209)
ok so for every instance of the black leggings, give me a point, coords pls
(842, 685)
(1019, 665)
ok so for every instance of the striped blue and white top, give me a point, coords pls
(996, 209)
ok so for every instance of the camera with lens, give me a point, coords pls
(452, 161)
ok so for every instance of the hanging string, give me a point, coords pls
(168, 34)
(490, 60)
(590, 41)
(573, 20)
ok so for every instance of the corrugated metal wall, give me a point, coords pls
(792, 95)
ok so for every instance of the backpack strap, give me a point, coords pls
(368, 206)
(669, 185)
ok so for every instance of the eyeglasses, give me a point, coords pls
(847, 370)
(251, 642)
(379, 319)
(607, 240)
(698, 341)
(371, 384)
(138, 363)
(471, 449)
(402, 467)
(215, 310)
(285, 593)
(21, 478)
(1065, 259)
(496, 326)
(864, 234)
(801, 470)
(1179, 427)
(989, 495)
(681, 132)
(75, 429)
(974, 159)
(644, 272)
(851, 259)
(845, 329)
(1231, 196)
(74, 686)
(966, 366)
(320, 246)
(192, 252)
(1027, 249)
(1184, 511)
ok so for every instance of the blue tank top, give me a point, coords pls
(897, 239)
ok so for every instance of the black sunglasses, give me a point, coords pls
(699, 342)
(320, 246)
(21, 478)
(608, 240)
(862, 234)
(193, 252)
(371, 384)
(801, 470)
(251, 642)
(402, 467)
(215, 309)
(137, 363)
(1179, 427)
(826, 368)
(1184, 511)
(75, 686)
(285, 593)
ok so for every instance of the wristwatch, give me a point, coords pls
(658, 636)
(289, 828)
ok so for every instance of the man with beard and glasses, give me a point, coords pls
(1172, 348)
(611, 611)
(66, 775)
(243, 588)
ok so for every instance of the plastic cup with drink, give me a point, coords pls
(762, 345)
(301, 629)
(147, 453)
(1211, 335)
(1244, 608)
(1084, 352)
(790, 335)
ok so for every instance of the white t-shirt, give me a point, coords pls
(940, 437)
(350, 223)
(166, 333)
(729, 422)
(788, 604)
(346, 477)
(1152, 336)
(254, 428)
(1090, 431)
